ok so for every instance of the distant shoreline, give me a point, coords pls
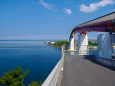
(93, 47)
(55, 46)
(90, 47)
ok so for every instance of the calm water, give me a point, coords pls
(36, 56)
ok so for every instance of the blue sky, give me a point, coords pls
(48, 19)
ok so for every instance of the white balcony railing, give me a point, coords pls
(52, 79)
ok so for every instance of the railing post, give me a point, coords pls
(63, 50)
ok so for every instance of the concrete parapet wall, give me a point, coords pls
(52, 79)
(106, 62)
(104, 46)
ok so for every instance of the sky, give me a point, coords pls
(48, 19)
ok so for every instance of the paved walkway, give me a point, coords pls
(82, 71)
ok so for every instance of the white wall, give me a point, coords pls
(104, 46)
(72, 44)
(83, 45)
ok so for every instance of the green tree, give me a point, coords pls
(14, 78)
(35, 83)
(61, 43)
(92, 43)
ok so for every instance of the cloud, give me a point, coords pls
(46, 5)
(67, 11)
(94, 6)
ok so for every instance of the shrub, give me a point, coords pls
(14, 78)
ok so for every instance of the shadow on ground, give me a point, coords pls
(92, 59)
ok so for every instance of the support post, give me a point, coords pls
(83, 45)
(72, 44)
(104, 46)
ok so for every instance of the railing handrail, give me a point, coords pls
(53, 76)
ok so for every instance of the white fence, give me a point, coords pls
(53, 77)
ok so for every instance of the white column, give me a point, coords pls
(83, 45)
(104, 45)
(72, 44)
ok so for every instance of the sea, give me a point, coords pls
(33, 55)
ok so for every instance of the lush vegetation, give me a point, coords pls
(65, 42)
(61, 43)
(16, 78)
(90, 42)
